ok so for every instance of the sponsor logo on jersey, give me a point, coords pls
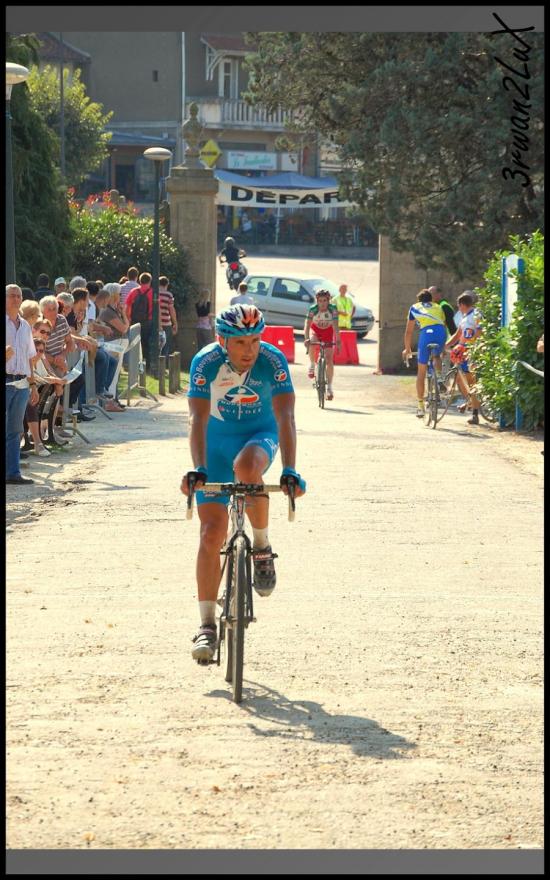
(468, 333)
(242, 395)
(280, 376)
(199, 379)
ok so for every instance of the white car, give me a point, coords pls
(286, 300)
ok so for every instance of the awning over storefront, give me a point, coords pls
(139, 139)
(288, 190)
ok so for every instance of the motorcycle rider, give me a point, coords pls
(232, 254)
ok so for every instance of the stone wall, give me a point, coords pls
(193, 225)
(400, 281)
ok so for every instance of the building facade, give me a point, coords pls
(148, 81)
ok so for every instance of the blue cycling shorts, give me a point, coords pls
(221, 452)
(436, 333)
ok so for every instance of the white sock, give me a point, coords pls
(207, 612)
(260, 538)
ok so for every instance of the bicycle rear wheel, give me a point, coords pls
(238, 593)
(450, 381)
(321, 382)
(488, 413)
(430, 416)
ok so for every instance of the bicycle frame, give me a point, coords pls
(433, 398)
(237, 506)
(237, 602)
(321, 370)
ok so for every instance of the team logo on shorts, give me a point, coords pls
(242, 395)
(199, 379)
(280, 376)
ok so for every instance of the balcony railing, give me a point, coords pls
(239, 114)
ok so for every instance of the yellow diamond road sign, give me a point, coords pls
(210, 153)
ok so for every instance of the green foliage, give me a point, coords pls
(421, 125)
(106, 242)
(498, 349)
(42, 235)
(86, 140)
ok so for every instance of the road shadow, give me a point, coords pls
(353, 412)
(464, 432)
(307, 721)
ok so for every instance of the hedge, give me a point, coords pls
(498, 349)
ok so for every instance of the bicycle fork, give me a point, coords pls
(226, 618)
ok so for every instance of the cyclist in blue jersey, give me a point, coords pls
(429, 317)
(241, 405)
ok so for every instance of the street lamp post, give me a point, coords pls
(158, 155)
(15, 73)
(62, 107)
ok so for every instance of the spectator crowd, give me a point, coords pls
(78, 319)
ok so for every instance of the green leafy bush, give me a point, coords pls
(499, 348)
(107, 241)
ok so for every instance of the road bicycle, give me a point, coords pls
(320, 381)
(236, 600)
(452, 396)
(432, 401)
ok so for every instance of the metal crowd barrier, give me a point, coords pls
(75, 362)
(135, 365)
(518, 419)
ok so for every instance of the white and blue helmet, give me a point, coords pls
(240, 320)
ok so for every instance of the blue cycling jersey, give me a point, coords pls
(239, 402)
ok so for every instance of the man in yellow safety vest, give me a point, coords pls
(345, 306)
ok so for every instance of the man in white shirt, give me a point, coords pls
(19, 377)
(242, 296)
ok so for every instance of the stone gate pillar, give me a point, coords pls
(400, 281)
(193, 224)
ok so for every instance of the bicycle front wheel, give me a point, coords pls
(226, 632)
(321, 382)
(237, 603)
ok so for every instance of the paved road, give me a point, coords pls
(393, 682)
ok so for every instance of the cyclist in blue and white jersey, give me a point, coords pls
(429, 317)
(241, 405)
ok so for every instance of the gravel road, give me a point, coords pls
(393, 681)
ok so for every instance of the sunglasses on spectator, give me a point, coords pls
(47, 332)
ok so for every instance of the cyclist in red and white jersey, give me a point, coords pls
(322, 326)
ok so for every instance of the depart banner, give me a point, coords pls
(272, 192)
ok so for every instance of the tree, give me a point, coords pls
(421, 125)
(85, 137)
(42, 235)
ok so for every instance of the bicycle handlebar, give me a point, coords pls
(242, 488)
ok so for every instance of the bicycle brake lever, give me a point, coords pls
(189, 512)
